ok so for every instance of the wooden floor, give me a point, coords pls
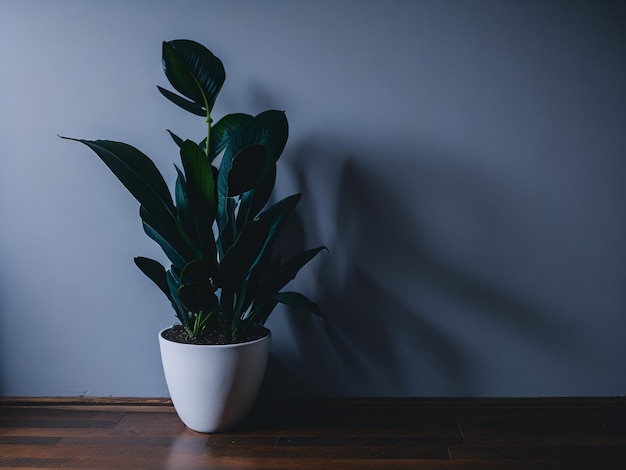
(326, 434)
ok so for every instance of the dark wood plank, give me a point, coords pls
(55, 418)
(336, 434)
(613, 420)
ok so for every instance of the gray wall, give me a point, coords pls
(463, 160)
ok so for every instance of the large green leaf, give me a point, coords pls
(155, 272)
(186, 216)
(222, 130)
(263, 267)
(246, 169)
(200, 189)
(198, 296)
(194, 72)
(270, 129)
(200, 269)
(169, 236)
(277, 214)
(169, 251)
(228, 232)
(138, 173)
(237, 261)
(200, 179)
(253, 201)
(274, 217)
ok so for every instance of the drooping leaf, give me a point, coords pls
(167, 234)
(155, 272)
(183, 103)
(138, 173)
(176, 258)
(194, 72)
(297, 299)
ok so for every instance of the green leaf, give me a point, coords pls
(274, 217)
(239, 258)
(277, 214)
(299, 300)
(199, 176)
(137, 173)
(186, 217)
(223, 129)
(261, 311)
(263, 266)
(193, 71)
(171, 231)
(246, 169)
(181, 312)
(175, 138)
(171, 251)
(198, 296)
(155, 272)
(227, 232)
(200, 269)
(272, 220)
(181, 102)
(290, 268)
(200, 189)
(270, 129)
(253, 201)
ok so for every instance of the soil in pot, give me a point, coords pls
(178, 334)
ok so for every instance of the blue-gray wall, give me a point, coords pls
(464, 161)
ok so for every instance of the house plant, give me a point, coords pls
(219, 234)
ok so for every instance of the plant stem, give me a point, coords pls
(208, 132)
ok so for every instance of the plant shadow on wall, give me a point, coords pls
(370, 332)
(383, 337)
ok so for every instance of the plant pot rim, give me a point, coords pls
(268, 332)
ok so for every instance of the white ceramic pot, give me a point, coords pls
(213, 387)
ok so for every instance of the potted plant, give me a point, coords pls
(219, 233)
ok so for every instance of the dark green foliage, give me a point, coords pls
(217, 231)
